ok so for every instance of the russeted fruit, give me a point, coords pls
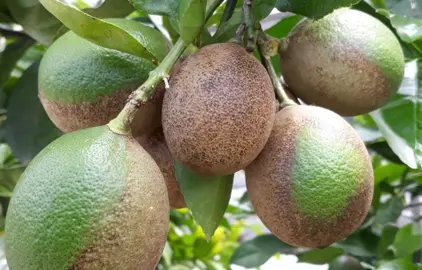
(312, 184)
(83, 85)
(91, 199)
(156, 146)
(348, 62)
(219, 110)
(345, 262)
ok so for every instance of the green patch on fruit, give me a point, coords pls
(325, 175)
(78, 191)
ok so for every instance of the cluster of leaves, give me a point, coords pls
(393, 134)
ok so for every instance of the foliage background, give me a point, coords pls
(390, 237)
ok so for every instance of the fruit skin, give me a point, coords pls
(156, 146)
(82, 84)
(345, 262)
(312, 184)
(219, 110)
(91, 199)
(336, 62)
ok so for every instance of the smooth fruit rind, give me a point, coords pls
(88, 201)
(274, 191)
(337, 62)
(219, 110)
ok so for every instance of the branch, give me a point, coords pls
(268, 48)
(121, 124)
(249, 23)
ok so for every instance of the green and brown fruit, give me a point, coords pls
(348, 62)
(345, 262)
(219, 110)
(156, 146)
(312, 185)
(83, 85)
(105, 209)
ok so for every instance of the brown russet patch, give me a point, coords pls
(156, 146)
(70, 117)
(219, 110)
(270, 185)
(119, 240)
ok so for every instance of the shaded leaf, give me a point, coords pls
(255, 252)
(206, 196)
(98, 31)
(157, 7)
(28, 128)
(111, 9)
(360, 245)
(191, 19)
(387, 237)
(313, 8)
(389, 211)
(384, 150)
(8, 58)
(8, 179)
(321, 256)
(37, 22)
(408, 240)
(400, 120)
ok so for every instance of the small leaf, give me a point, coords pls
(314, 9)
(191, 19)
(255, 252)
(28, 128)
(389, 211)
(387, 238)
(408, 240)
(35, 20)
(206, 196)
(8, 58)
(111, 9)
(98, 31)
(400, 119)
(321, 256)
(398, 264)
(157, 7)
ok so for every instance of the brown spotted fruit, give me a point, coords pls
(348, 62)
(156, 145)
(82, 84)
(312, 185)
(92, 199)
(219, 110)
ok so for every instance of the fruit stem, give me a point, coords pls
(266, 47)
(122, 123)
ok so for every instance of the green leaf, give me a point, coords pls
(262, 8)
(35, 20)
(360, 245)
(8, 179)
(157, 7)
(255, 252)
(28, 128)
(321, 256)
(98, 31)
(408, 240)
(409, 29)
(387, 238)
(389, 211)
(398, 264)
(191, 19)
(384, 150)
(284, 26)
(206, 196)
(315, 9)
(111, 9)
(388, 172)
(8, 58)
(404, 7)
(400, 120)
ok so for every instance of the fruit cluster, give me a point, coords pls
(95, 199)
